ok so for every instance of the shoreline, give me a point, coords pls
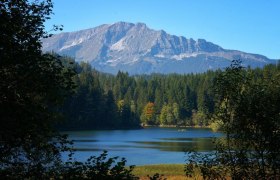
(99, 129)
(175, 126)
(132, 128)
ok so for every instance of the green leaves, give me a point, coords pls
(33, 85)
(99, 167)
(246, 107)
(247, 112)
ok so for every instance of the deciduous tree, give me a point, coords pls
(32, 86)
(148, 115)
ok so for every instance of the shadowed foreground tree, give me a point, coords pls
(248, 110)
(33, 87)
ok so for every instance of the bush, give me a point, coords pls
(99, 167)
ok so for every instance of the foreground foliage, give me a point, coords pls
(33, 87)
(99, 167)
(248, 110)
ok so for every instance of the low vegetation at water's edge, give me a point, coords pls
(164, 169)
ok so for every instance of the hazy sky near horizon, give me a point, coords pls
(247, 25)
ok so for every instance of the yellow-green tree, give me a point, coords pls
(169, 114)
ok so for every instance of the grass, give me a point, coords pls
(170, 171)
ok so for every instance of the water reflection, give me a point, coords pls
(146, 146)
(83, 140)
(180, 144)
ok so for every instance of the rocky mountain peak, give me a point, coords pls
(138, 49)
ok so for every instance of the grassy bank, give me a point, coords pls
(170, 171)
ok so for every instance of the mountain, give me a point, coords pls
(137, 49)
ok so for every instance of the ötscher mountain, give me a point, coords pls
(137, 49)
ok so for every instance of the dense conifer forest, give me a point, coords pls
(105, 101)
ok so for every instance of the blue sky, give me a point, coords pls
(248, 25)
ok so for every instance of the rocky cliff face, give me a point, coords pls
(139, 50)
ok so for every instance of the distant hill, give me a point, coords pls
(137, 49)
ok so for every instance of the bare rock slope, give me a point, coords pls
(137, 49)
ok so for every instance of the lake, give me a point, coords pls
(144, 146)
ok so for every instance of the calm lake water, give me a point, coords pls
(143, 146)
